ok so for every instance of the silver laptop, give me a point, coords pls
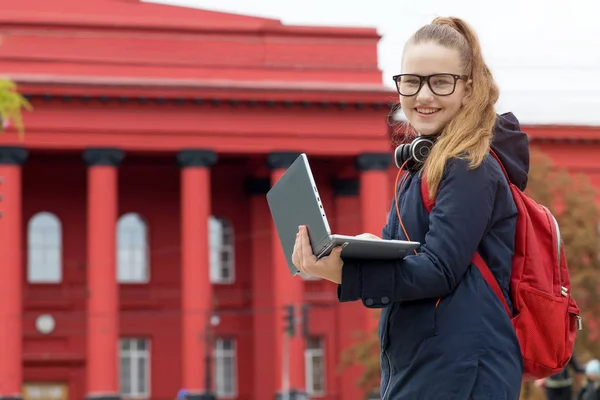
(294, 200)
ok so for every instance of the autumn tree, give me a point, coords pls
(11, 105)
(572, 200)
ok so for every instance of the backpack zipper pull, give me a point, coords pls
(579, 323)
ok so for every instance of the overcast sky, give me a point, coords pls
(545, 54)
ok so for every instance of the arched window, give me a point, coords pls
(44, 249)
(133, 264)
(222, 263)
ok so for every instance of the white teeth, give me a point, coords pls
(427, 110)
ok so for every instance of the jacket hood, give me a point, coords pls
(512, 147)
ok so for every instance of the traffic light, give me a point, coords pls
(290, 320)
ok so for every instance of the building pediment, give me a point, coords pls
(127, 38)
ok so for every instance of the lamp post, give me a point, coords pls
(213, 321)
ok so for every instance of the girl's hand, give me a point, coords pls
(329, 267)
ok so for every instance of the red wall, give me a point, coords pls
(150, 186)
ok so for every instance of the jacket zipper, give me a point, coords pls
(563, 290)
(387, 387)
(558, 240)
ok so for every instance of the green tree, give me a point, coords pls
(572, 200)
(11, 105)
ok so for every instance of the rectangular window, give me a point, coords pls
(225, 367)
(221, 248)
(134, 368)
(314, 358)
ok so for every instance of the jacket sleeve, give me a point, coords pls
(457, 223)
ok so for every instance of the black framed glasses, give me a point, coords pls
(439, 84)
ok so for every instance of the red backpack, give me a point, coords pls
(546, 317)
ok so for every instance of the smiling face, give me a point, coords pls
(427, 112)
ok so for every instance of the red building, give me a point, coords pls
(134, 231)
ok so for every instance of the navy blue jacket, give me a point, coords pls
(465, 347)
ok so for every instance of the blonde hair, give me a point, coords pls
(468, 135)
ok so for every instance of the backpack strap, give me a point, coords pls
(477, 259)
(493, 153)
(491, 280)
(427, 202)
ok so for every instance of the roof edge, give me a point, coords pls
(278, 86)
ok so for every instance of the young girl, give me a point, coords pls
(444, 333)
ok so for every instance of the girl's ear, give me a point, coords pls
(468, 92)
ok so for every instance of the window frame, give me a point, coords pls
(142, 229)
(58, 247)
(134, 356)
(227, 231)
(309, 355)
(219, 355)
